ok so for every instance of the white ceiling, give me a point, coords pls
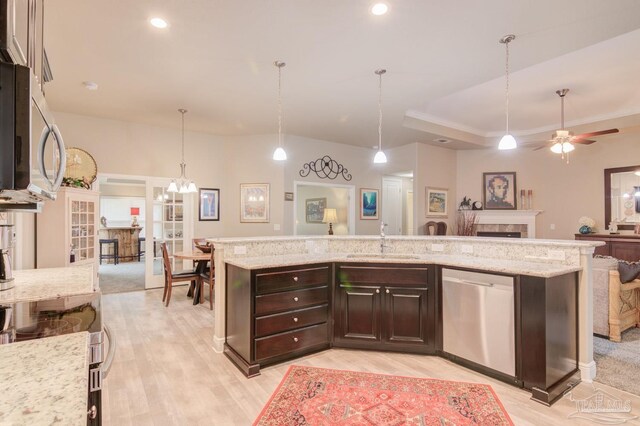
(445, 65)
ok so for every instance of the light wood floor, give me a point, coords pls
(166, 373)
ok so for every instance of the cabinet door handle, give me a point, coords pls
(377, 290)
(295, 319)
(295, 299)
(387, 291)
(295, 339)
(295, 279)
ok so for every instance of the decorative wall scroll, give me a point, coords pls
(325, 168)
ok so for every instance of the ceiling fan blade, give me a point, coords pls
(592, 134)
(546, 145)
(583, 141)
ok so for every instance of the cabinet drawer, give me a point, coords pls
(291, 280)
(291, 341)
(388, 275)
(288, 300)
(289, 320)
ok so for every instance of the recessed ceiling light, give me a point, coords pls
(442, 140)
(158, 22)
(90, 85)
(379, 9)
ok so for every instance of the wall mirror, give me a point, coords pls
(622, 196)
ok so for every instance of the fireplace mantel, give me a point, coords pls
(510, 217)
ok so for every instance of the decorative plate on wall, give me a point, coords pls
(80, 165)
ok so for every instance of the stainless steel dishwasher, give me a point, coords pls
(478, 318)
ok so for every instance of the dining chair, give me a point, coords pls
(208, 276)
(170, 278)
(435, 228)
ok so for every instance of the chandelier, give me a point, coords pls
(182, 185)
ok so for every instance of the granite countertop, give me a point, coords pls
(32, 285)
(45, 381)
(544, 270)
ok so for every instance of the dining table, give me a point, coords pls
(201, 259)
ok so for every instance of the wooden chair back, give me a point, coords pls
(166, 262)
(435, 228)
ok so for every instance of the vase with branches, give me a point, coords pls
(467, 221)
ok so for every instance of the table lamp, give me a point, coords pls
(330, 216)
(135, 211)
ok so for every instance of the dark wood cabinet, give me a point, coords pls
(276, 314)
(385, 307)
(620, 246)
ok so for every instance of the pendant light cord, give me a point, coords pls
(183, 111)
(380, 112)
(279, 105)
(507, 84)
(562, 112)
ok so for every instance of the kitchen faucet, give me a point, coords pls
(382, 237)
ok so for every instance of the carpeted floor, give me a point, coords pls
(618, 364)
(321, 396)
(122, 277)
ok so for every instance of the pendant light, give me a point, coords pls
(380, 156)
(182, 185)
(507, 141)
(279, 154)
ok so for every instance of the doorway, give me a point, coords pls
(162, 217)
(310, 201)
(397, 206)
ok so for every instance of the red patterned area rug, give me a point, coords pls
(319, 396)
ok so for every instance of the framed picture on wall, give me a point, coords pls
(436, 202)
(209, 204)
(254, 202)
(314, 209)
(499, 190)
(368, 203)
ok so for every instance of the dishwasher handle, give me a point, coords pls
(467, 282)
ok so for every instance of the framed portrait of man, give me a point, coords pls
(499, 190)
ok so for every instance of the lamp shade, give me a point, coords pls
(330, 216)
(507, 142)
(135, 211)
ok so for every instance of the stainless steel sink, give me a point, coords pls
(382, 256)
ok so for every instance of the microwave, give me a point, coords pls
(32, 153)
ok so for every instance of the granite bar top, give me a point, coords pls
(45, 381)
(32, 285)
(425, 238)
(544, 270)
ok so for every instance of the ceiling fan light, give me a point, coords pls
(172, 187)
(556, 148)
(279, 154)
(380, 157)
(507, 142)
(568, 147)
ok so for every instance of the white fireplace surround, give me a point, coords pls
(510, 217)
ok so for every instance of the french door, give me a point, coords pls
(170, 219)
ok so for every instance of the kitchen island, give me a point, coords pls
(127, 237)
(337, 278)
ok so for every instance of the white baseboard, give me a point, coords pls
(587, 371)
(218, 344)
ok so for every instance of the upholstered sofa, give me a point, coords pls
(616, 306)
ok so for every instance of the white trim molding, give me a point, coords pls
(510, 217)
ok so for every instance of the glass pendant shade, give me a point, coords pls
(556, 148)
(507, 142)
(172, 187)
(279, 154)
(192, 187)
(380, 157)
(568, 147)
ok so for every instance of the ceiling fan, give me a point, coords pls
(562, 141)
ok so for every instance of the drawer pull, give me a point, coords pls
(377, 290)
(295, 339)
(295, 299)
(295, 319)
(387, 291)
(295, 279)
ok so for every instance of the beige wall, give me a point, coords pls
(565, 192)
(436, 168)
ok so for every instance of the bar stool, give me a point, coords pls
(113, 255)
(141, 241)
